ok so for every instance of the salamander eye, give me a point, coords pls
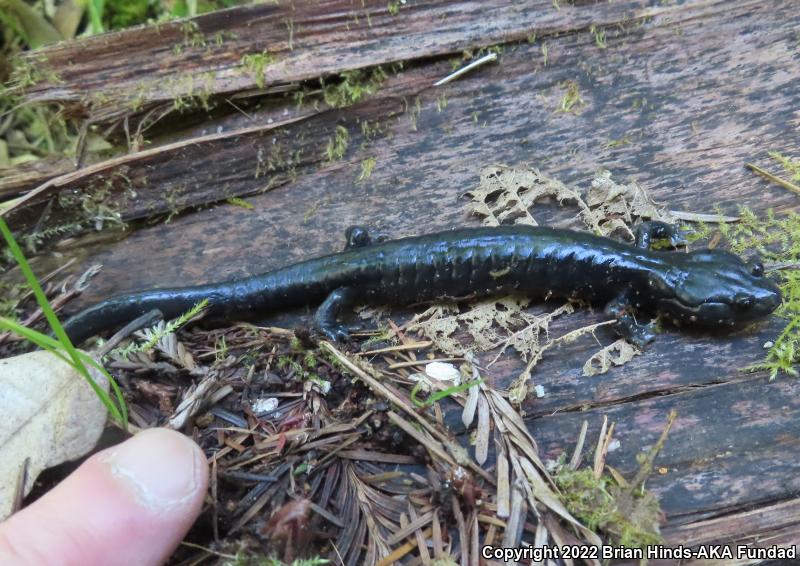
(743, 301)
(757, 269)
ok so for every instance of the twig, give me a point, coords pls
(466, 69)
(649, 461)
(698, 217)
(777, 180)
(398, 348)
(401, 551)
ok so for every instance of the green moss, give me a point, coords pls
(366, 169)
(393, 7)
(256, 63)
(95, 207)
(441, 102)
(610, 144)
(31, 70)
(585, 496)
(337, 145)
(599, 35)
(10, 296)
(777, 241)
(120, 14)
(792, 166)
(236, 201)
(192, 36)
(572, 101)
(190, 92)
(156, 336)
(697, 231)
(628, 516)
(353, 86)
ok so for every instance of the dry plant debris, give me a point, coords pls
(506, 195)
(317, 452)
(627, 513)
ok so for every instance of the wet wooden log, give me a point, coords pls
(131, 70)
(678, 101)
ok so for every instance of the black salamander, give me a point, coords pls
(705, 288)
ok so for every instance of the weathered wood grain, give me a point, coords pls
(678, 102)
(133, 69)
(14, 180)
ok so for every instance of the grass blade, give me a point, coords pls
(118, 410)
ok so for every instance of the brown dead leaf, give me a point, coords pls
(50, 415)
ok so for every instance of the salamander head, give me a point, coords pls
(715, 288)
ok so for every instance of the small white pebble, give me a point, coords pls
(768, 344)
(538, 390)
(443, 372)
(614, 445)
(264, 405)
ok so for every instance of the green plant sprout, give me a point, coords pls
(439, 395)
(61, 345)
(156, 336)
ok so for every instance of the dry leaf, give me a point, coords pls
(615, 206)
(505, 195)
(50, 415)
(491, 323)
(615, 354)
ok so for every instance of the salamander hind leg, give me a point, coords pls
(652, 231)
(638, 334)
(326, 319)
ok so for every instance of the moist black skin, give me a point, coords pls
(703, 288)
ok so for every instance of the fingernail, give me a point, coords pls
(162, 467)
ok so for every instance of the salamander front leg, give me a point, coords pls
(654, 230)
(326, 318)
(359, 237)
(640, 335)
